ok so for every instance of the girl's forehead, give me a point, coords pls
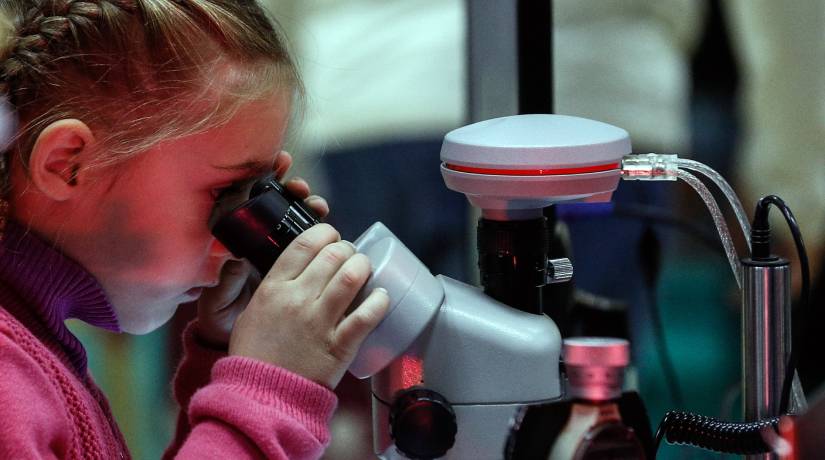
(246, 145)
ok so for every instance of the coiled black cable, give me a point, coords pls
(740, 438)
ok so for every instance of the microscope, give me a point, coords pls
(451, 364)
(480, 358)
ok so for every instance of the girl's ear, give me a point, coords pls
(56, 165)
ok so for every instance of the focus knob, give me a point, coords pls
(559, 270)
(422, 424)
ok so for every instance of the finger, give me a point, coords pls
(324, 267)
(303, 249)
(230, 314)
(318, 205)
(254, 280)
(357, 325)
(233, 277)
(344, 286)
(282, 164)
(298, 187)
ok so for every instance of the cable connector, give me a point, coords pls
(650, 166)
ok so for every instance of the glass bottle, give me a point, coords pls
(594, 429)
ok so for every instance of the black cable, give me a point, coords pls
(761, 250)
(665, 358)
(743, 438)
(664, 216)
(650, 251)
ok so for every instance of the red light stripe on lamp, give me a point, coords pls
(533, 172)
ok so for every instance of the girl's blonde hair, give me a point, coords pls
(136, 71)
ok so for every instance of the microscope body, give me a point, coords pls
(476, 361)
(512, 357)
(451, 366)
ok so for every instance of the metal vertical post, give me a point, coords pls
(766, 337)
(535, 56)
(510, 49)
(492, 44)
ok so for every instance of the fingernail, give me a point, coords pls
(380, 289)
(351, 245)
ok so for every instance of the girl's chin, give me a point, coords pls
(147, 319)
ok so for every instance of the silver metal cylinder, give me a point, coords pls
(493, 58)
(766, 337)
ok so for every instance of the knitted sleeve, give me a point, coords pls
(192, 374)
(36, 423)
(251, 409)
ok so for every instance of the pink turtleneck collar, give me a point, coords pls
(43, 288)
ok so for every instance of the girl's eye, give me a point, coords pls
(220, 192)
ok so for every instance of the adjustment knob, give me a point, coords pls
(559, 270)
(422, 424)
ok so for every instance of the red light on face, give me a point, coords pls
(412, 371)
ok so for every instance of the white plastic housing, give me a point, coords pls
(527, 162)
(479, 351)
(415, 297)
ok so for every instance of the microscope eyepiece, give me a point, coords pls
(261, 227)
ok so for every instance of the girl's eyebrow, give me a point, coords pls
(256, 166)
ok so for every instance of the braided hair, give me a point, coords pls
(137, 72)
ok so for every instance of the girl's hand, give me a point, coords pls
(219, 307)
(297, 317)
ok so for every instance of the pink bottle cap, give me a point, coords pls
(595, 366)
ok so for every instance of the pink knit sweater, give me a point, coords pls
(231, 407)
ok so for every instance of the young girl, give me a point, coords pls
(132, 117)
